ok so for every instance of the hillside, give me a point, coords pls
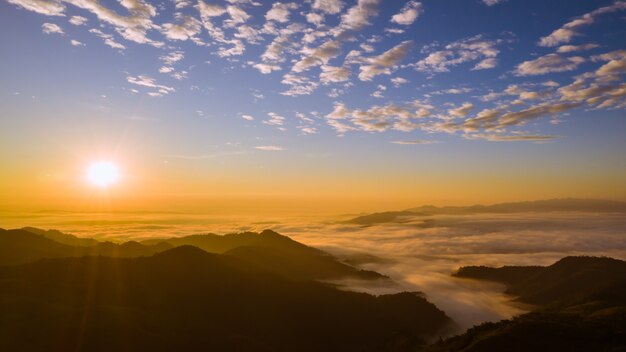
(274, 252)
(187, 299)
(581, 306)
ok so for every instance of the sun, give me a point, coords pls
(102, 174)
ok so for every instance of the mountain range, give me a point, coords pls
(580, 305)
(548, 205)
(187, 299)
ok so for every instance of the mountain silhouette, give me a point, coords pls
(185, 299)
(63, 238)
(275, 252)
(22, 246)
(580, 306)
(267, 250)
(568, 281)
(548, 205)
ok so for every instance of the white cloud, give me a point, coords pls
(333, 74)
(51, 28)
(331, 7)
(385, 62)
(461, 111)
(358, 16)
(274, 120)
(572, 48)
(247, 117)
(459, 52)
(149, 82)
(408, 14)
(548, 64)
(78, 20)
(108, 39)
(44, 7)
(76, 43)
(493, 2)
(172, 57)
(399, 81)
(280, 11)
(570, 29)
(414, 142)
(210, 10)
(186, 28)
(270, 148)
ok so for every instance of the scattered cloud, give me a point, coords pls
(149, 82)
(51, 28)
(408, 14)
(415, 142)
(474, 49)
(570, 30)
(270, 148)
(78, 20)
(548, 64)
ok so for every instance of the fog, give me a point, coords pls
(419, 253)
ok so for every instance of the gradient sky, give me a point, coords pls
(328, 104)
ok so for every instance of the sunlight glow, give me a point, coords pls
(102, 174)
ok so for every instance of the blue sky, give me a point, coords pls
(448, 83)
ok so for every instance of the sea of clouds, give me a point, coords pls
(419, 253)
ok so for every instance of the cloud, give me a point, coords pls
(51, 28)
(358, 16)
(133, 27)
(571, 48)
(108, 39)
(76, 43)
(461, 111)
(270, 148)
(492, 2)
(399, 81)
(274, 120)
(459, 52)
(186, 28)
(317, 56)
(44, 7)
(330, 7)
(247, 117)
(414, 142)
(149, 82)
(548, 64)
(385, 62)
(208, 10)
(374, 119)
(333, 74)
(486, 64)
(511, 138)
(570, 29)
(280, 11)
(78, 20)
(408, 14)
(172, 58)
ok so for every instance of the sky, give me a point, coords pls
(321, 105)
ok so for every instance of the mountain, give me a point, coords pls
(383, 217)
(185, 299)
(22, 246)
(566, 282)
(63, 238)
(276, 253)
(580, 306)
(550, 205)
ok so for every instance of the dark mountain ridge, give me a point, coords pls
(187, 299)
(580, 306)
